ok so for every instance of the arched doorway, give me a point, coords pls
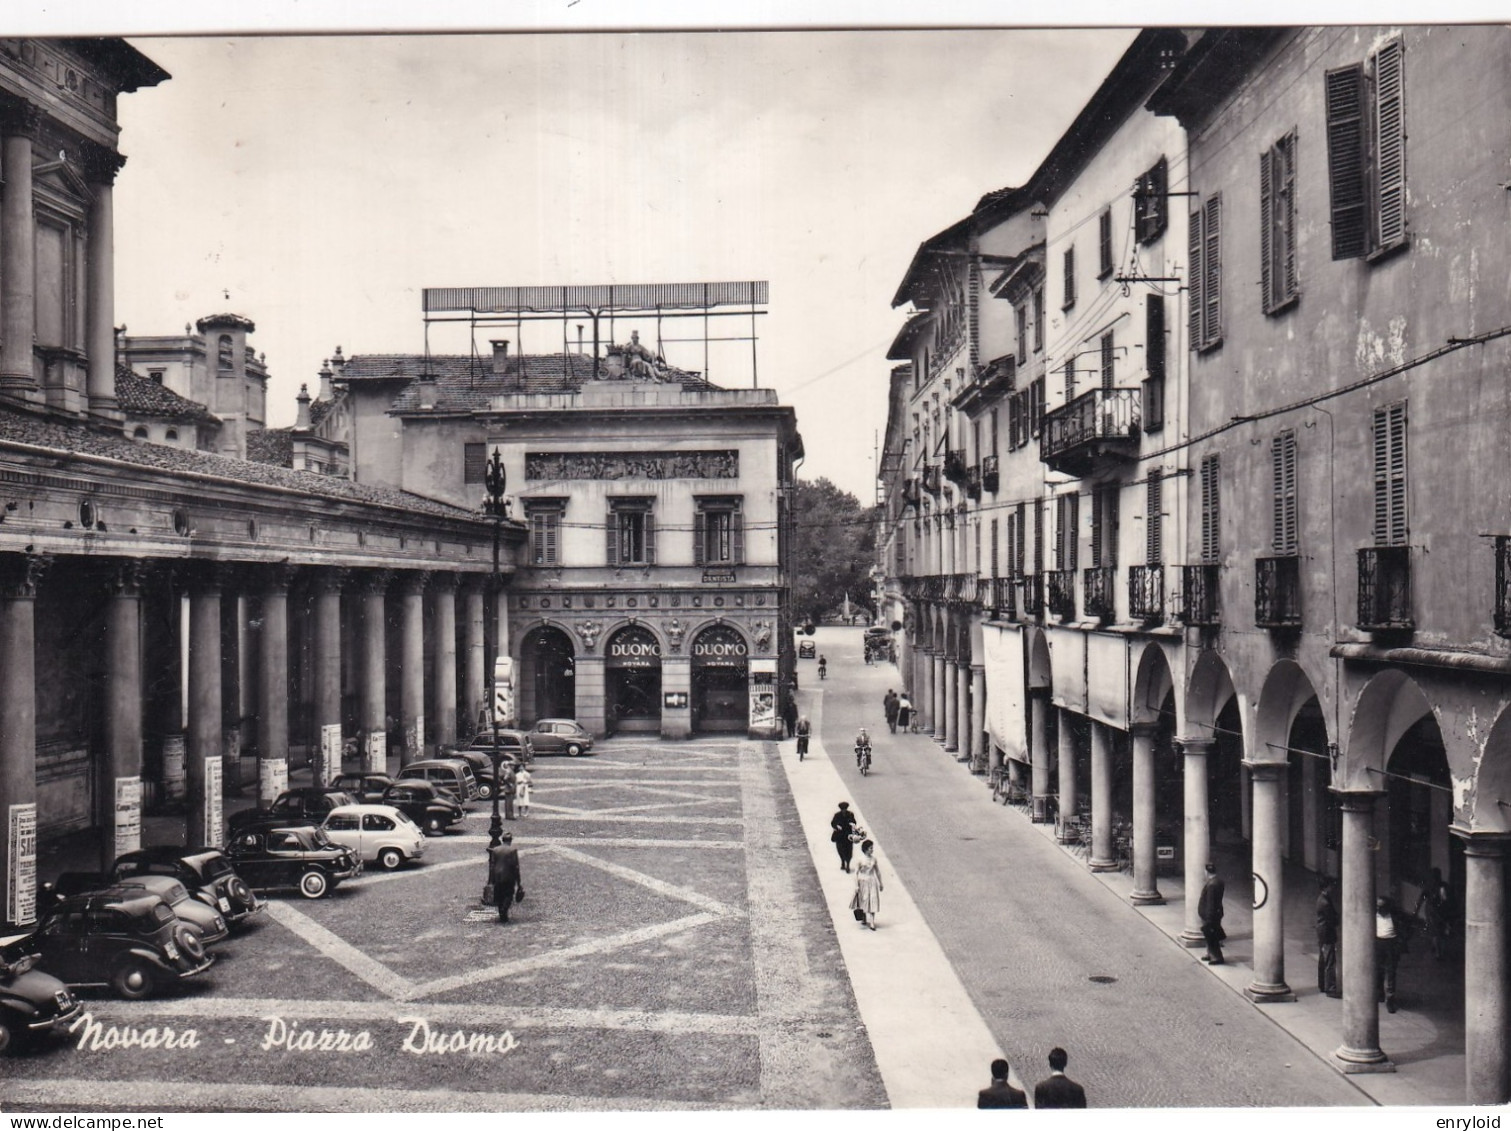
(632, 680)
(548, 676)
(1417, 814)
(721, 680)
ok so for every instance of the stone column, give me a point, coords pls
(1145, 867)
(1360, 1051)
(1267, 780)
(941, 696)
(273, 686)
(1196, 833)
(1038, 730)
(1068, 799)
(472, 661)
(1487, 1019)
(101, 165)
(976, 676)
(1102, 859)
(19, 576)
(19, 123)
(325, 755)
(203, 766)
(374, 660)
(412, 665)
(122, 779)
(443, 656)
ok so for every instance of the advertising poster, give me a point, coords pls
(21, 906)
(214, 803)
(128, 815)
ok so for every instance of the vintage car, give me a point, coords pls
(806, 650)
(32, 1002)
(378, 833)
(305, 806)
(512, 744)
(366, 788)
(434, 810)
(204, 871)
(454, 775)
(560, 736)
(124, 938)
(204, 920)
(481, 762)
(298, 856)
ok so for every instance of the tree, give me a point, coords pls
(833, 549)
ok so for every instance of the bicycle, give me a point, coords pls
(863, 759)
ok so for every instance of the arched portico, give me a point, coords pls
(1156, 774)
(1044, 724)
(548, 669)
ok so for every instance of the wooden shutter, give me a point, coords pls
(1195, 277)
(553, 524)
(1154, 336)
(1154, 518)
(1104, 243)
(994, 547)
(737, 537)
(1036, 407)
(1070, 277)
(1267, 229)
(1211, 328)
(474, 463)
(1109, 356)
(1070, 380)
(1020, 560)
(650, 538)
(1285, 188)
(1390, 475)
(1021, 313)
(1344, 89)
(1098, 502)
(1283, 525)
(1211, 509)
(611, 527)
(1039, 319)
(1038, 537)
(1073, 510)
(700, 538)
(1012, 535)
(1390, 147)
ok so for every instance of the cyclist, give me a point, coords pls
(823, 668)
(863, 750)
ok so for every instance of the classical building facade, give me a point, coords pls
(653, 596)
(1256, 605)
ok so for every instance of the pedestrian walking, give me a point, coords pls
(508, 787)
(1209, 908)
(904, 712)
(789, 714)
(1327, 940)
(1390, 944)
(507, 889)
(868, 885)
(522, 781)
(1059, 1090)
(843, 822)
(999, 1093)
(1432, 909)
(889, 705)
(804, 729)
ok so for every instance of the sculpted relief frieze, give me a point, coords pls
(633, 465)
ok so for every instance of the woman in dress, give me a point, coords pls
(867, 884)
(522, 791)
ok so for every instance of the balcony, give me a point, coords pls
(1199, 595)
(931, 482)
(989, 478)
(1004, 599)
(934, 587)
(1033, 595)
(954, 466)
(1102, 424)
(973, 481)
(1101, 595)
(1503, 584)
(912, 493)
(1277, 592)
(1385, 588)
(985, 595)
(1146, 593)
(963, 588)
(1060, 593)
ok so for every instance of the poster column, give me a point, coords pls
(373, 584)
(443, 657)
(325, 758)
(19, 576)
(412, 665)
(123, 712)
(272, 686)
(205, 723)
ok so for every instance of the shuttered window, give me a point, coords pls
(1012, 541)
(1284, 533)
(1211, 509)
(1104, 244)
(1104, 527)
(545, 531)
(1035, 406)
(1205, 271)
(1154, 356)
(1038, 537)
(1039, 319)
(1020, 561)
(1277, 224)
(1390, 475)
(995, 563)
(1070, 278)
(1070, 380)
(1067, 530)
(1366, 153)
(1150, 197)
(1154, 518)
(630, 530)
(474, 463)
(1109, 361)
(1021, 312)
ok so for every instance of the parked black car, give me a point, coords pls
(482, 768)
(204, 920)
(366, 788)
(124, 938)
(434, 810)
(514, 744)
(305, 806)
(204, 871)
(301, 857)
(32, 1002)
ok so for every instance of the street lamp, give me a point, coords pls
(495, 507)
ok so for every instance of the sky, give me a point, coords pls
(317, 184)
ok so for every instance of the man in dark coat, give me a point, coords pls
(843, 824)
(1059, 1090)
(508, 789)
(889, 707)
(1327, 941)
(1209, 910)
(1000, 1093)
(503, 874)
(789, 714)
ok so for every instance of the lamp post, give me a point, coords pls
(496, 508)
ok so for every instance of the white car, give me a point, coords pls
(376, 832)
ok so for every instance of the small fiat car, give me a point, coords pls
(366, 788)
(560, 736)
(124, 938)
(434, 810)
(377, 833)
(301, 857)
(32, 1002)
(205, 872)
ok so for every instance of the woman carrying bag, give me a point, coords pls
(868, 886)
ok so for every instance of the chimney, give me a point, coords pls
(500, 357)
(424, 387)
(302, 422)
(338, 364)
(327, 393)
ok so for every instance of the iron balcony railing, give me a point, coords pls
(1074, 434)
(985, 595)
(1199, 595)
(963, 588)
(1146, 593)
(973, 481)
(1060, 593)
(1032, 585)
(1004, 598)
(931, 482)
(1277, 592)
(989, 480)
(954, 465)
(1503, 584)
(1385, 588)
(933, 586)
(1101, 597)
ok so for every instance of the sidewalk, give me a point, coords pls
(908, 993)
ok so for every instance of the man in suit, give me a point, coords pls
(1209, 910)
(503, 874)
(1059, 1090)
(1000, 1093)
(1327, 940)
